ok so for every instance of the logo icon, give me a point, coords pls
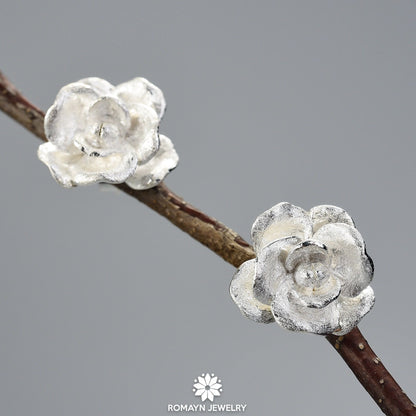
(207, 386)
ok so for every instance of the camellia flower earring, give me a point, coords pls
(311, 274)
(312, 271)
(100, 133)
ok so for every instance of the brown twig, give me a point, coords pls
(372, 374)
(207, 230)
(19, 108)
(352, 347)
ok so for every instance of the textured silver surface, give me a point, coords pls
(311, 274)
(100, 133)
(326, 89)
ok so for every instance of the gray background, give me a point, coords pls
(105, 307)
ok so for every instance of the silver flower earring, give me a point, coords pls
(311, 274)
(100, 133)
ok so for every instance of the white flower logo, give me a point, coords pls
(207, 386)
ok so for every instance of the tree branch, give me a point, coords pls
(20, 109)
(372, 374)
(207, 230)
(352, 347)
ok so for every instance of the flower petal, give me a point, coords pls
(309, 251)
(270, 269)
(202, 381)
(327, 214)
(349, 260)
(199, 386)
(319, 297)
(210, 395)
(143, 133)
(292, 313)
(200, 392)
(76, 168)
(141, 91)
(216, 386)
(215, 392)
(309, 263)
(68, 114)
(281, 221)
(107, 124)
(242, 292)
(352, 310)
(204, 395)
(213, 381)
(99, 85)
(154, 171)
(110, 110)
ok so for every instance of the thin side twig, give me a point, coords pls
(353, 347)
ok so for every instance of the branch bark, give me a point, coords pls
(372, 374)
(207, 230)
(20, 109)
(353, 347)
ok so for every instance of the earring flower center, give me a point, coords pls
(312, 275)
